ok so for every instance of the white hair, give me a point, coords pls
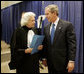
(25, 18)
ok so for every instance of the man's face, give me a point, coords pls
(49, 15)
(31, 22)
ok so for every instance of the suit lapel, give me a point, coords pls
(58, 28)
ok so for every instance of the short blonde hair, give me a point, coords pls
(25, 18)
(53, 8)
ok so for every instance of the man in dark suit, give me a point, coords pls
(59, 42)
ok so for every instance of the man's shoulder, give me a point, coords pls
(64, 21)
(46, 26)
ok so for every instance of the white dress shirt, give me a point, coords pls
(56, 22)
(29, 37)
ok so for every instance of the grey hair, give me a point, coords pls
(53, 8)
(25, 18)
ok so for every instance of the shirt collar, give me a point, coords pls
(56, 22)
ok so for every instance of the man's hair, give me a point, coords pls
(25, 18)
(53, 8)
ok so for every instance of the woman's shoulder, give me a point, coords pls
(19, 30)
(37, 30)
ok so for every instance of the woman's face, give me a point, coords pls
(31, 22)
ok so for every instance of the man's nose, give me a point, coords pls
(34, 22)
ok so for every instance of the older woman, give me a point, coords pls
(21, 56)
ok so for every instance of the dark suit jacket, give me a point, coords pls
(26, 63)
(64, 45)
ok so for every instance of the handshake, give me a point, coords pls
(29, 50)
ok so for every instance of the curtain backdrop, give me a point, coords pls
(10, 17)
(68, 10)
(72, 11)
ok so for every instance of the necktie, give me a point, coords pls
(52, 32)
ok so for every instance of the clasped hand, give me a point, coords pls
(40, 47)
(29, 50)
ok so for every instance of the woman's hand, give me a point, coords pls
(40, 47)
(28, 50)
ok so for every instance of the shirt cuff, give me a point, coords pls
(71, 61)
(43, 58)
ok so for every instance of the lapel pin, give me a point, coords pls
(59, 27)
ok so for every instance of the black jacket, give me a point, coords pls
(24, 63)
(64, 45)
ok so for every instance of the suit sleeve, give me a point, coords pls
(71, 42)
(16, 53)
(12, 63)
(44, 50)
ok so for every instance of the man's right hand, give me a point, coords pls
(44, 62)
(28, 50)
